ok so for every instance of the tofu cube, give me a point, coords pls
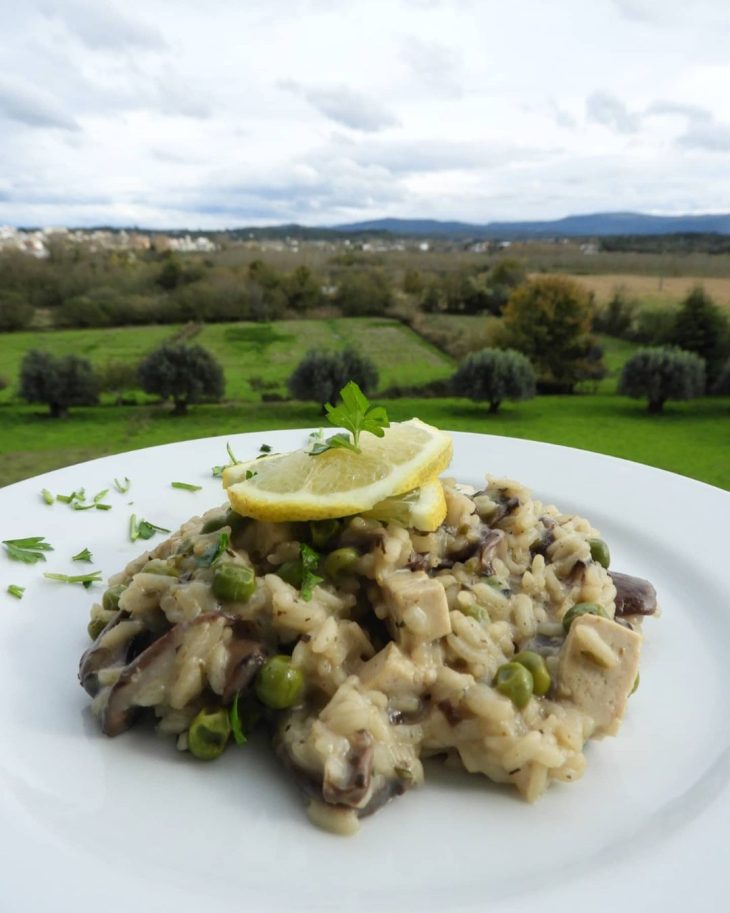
(597, 669)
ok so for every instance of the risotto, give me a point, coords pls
(501, 642)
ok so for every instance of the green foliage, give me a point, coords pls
(116, 376)
(58, 382)
(361, 293)
(412, 282)
(662, 373)
(722, 384)
(15, 312)
(302, 290)
(505, 276)
(549, 320)
(701, 327)
(617, 318)
(494, 375)
(320, 376)
(185, 374)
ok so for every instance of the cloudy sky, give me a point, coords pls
(174, 113)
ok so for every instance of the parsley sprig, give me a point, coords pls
(84, 579)
(310, 561)
(143, 529)
(83, 555)
(29, 550)
(355, 413)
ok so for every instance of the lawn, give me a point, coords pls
(689, 438)
(264, 353)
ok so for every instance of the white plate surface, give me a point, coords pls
(128, 824)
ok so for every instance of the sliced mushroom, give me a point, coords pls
(634, 596)
(352, 785)
(116, 645)
(152, 676)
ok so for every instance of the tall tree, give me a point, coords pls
(549, 320)
(701, 327)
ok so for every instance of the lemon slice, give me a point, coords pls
(336, 483)
(423, 509)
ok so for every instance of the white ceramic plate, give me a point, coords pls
(90, 823)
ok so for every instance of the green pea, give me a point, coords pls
(233, 582)
(340, 561)
(208, 734)
(514, 681)
(581, 608)
(95, 627)
(279, 684)
(158, 566)
(322, 531)
(538, 669)
(291, 572)
(110, 599)
(636, 684)
(600, 552)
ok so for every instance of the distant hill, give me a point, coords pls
(598, 224)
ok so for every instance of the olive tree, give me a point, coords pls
(57, 381)
(549, 319)
(493, 375)
(185, 374)
(320, 375)
(661, 373)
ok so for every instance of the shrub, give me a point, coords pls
(363, 293)
(493, 375)
(618, 316)
(722, 384)
(58, 382)
(117, 377)
(185, 374)
(662, 373)
(320, 376)
(15, 312)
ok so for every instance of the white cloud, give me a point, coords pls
(345, 106)
(153, 112)
(605, 108)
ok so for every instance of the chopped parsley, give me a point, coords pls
(83, 555)
(47, 496)
(75, 496)
(218, 470)
(310, 561)
(15, 590)
(143, 529)
(84, 579)
(186, 486)
(239, 736)
(122, 487)
(355, 413)
(29, 550)
(214, 551)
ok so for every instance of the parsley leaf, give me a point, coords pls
(83, 555)
(239, 736)
(144, 529)
(29, 550)
(186, 486)
(85, 579)
(355, 413)
(310, 562)
(15, 590)
(213, 552)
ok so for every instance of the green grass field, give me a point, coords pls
(246, 351)
(689, 438)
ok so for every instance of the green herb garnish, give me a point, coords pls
(83, 555)
(144, 529)
(265, 448)
(84, 579)
(47, 496)
(122, 487)
(94, 504)
(15, 590)
(357, 414)
(218, 470)
(29, 550)
(213, 552)
(186, 486)
(75, 496)
(235, 720)
(310, 562)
